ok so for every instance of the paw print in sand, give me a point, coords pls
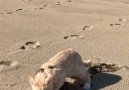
(6, 65)
(28, 46)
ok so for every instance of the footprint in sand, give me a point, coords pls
(69, 1)
(117, 24)
(127, 67)
(58, 3)
(7, 13)
(73, 36)
(19, 9)
(26, 0)
(31, 45)
(39, 8)
(45, 6)
(35, 8)
(88, 28)
(28, 46)
(6, 65)
(123, 20)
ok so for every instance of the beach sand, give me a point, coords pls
(97, 29)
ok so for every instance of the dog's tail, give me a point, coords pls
(87, 63)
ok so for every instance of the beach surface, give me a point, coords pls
(97, 29)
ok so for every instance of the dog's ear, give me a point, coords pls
(48, 80)
(31, 80)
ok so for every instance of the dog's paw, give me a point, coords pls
(86, 86)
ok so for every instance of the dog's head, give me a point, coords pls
(41, 82)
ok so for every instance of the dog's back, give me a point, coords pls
(68, 61)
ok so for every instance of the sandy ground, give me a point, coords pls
(97, 29)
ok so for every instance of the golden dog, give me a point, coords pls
(52, 74)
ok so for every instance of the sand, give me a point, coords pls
(97, 29)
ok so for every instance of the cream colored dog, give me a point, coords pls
(52, 74)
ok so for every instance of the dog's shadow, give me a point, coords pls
(101, 80)
(104, 79)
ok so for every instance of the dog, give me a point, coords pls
(52, 74)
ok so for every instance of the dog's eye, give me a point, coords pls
(50, 67)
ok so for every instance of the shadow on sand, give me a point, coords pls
(100, 81)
